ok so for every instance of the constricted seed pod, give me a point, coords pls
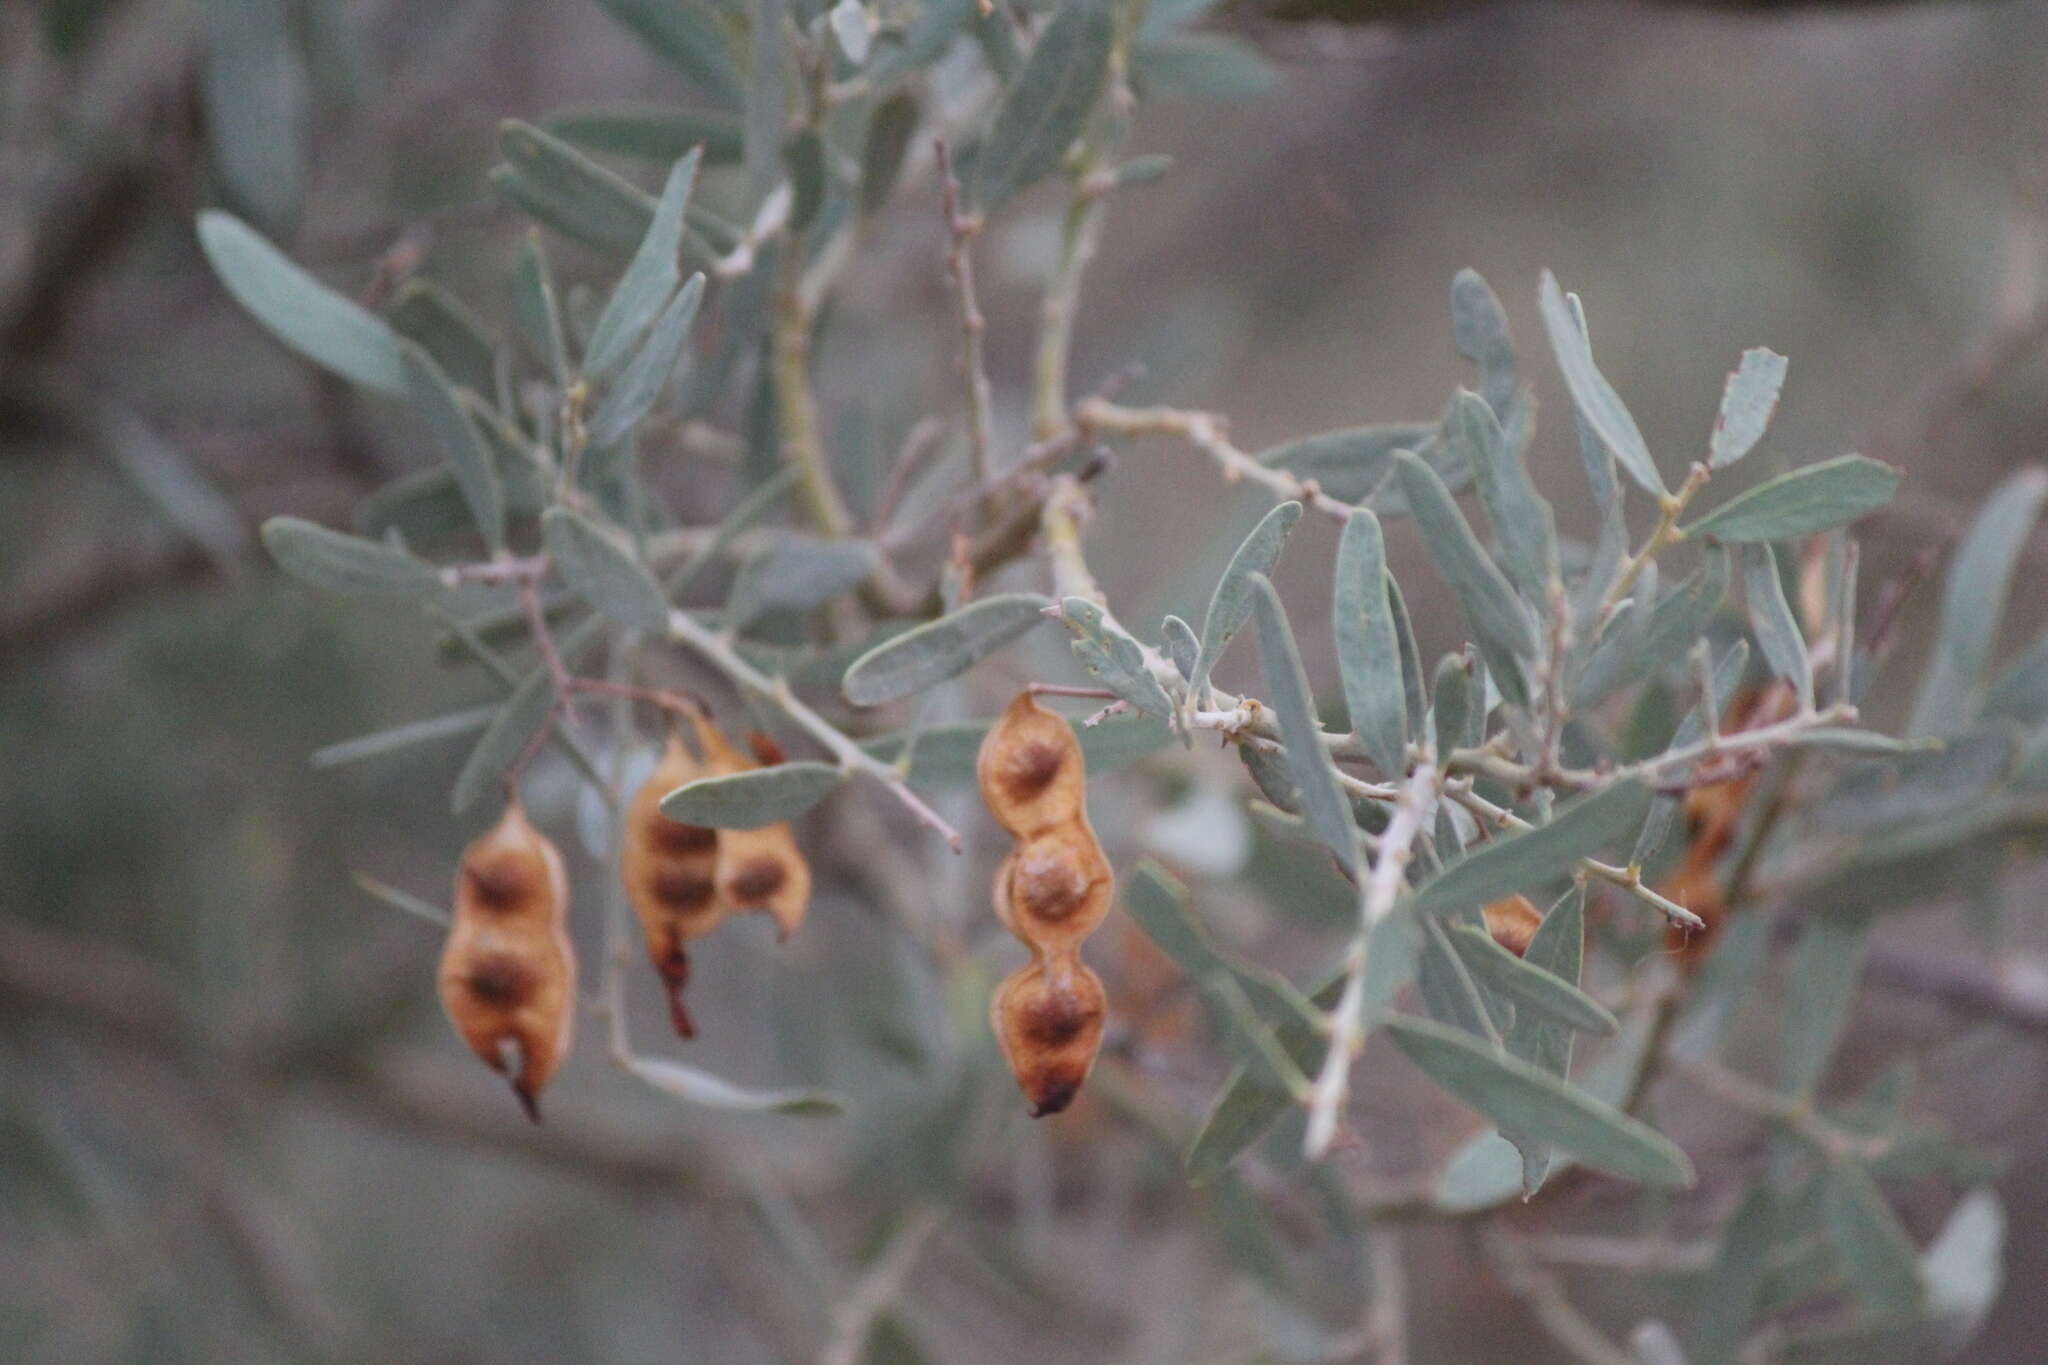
(1048, 1020)
(1051, 891)
(670, 875)
(757, 869)
(1032, 775)
(1513, 922)
(508, 975)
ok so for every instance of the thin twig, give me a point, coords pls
(854, 1317)
(1545, 1296)
(962, 229)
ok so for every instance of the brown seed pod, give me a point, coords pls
(1048, 1020)
(1051, 891)
(1513, 922)
(1032, 775)
(1713, 817)
(670, 875)
(757, 869)
(508, 975)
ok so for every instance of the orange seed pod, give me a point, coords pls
(757, 869)
(670, 875)
(1051, 891)
(1512, 923)
(508, 975)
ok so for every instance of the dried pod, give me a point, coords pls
(670, 874)
(1051, 891)
(1030, 768)
(1048, 1020)
(1512, 923)
(757, 869)
(508, 975)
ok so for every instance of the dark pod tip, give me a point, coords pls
(528, 1101)
(1055, 1098)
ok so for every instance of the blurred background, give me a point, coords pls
(233, 1122)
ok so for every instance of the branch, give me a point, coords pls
(962, 228)
(1412, 812)
(1208, 433)
(717, 651)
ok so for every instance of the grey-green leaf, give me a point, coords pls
(424, 312)
(1522, 521)
(1251, 1101)
(1511, 1091)
(1557, 947)
(320, 324)
(1329, 814)
(1875, 1250)
(1747, 401)
(1814, 498)
(1594, 397)
(1728, 1302)
(540, 310)
(518, 720)
(1479, 329)
(1178, 639)
(1770, 616)
(1527, 859)
(650, 134)
(603, 571)
(1532, 988)
(1350, 464)
(1368, 650)
(1159, 904)
(637, 390)
(476, 472)
(345, 564)
(399, 738)
(921, 659)
(1829, 959)
(1231, 604)
(751, 799)
(1113, 657)
(1973, 603)
(569, 192)
(650, 279)
(797, 573)
(1046, 107)
(715, 1092)
(687, 36)
(1495, 613)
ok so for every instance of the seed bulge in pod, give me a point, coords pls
(1030, 769)
(1058, 888)
(1513, 922)
(758, 870)
(1048, 1020)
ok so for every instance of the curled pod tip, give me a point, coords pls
(1030, 769)
(1048, 1020)
(1513, 922)
(507, 975)
(669, 871)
